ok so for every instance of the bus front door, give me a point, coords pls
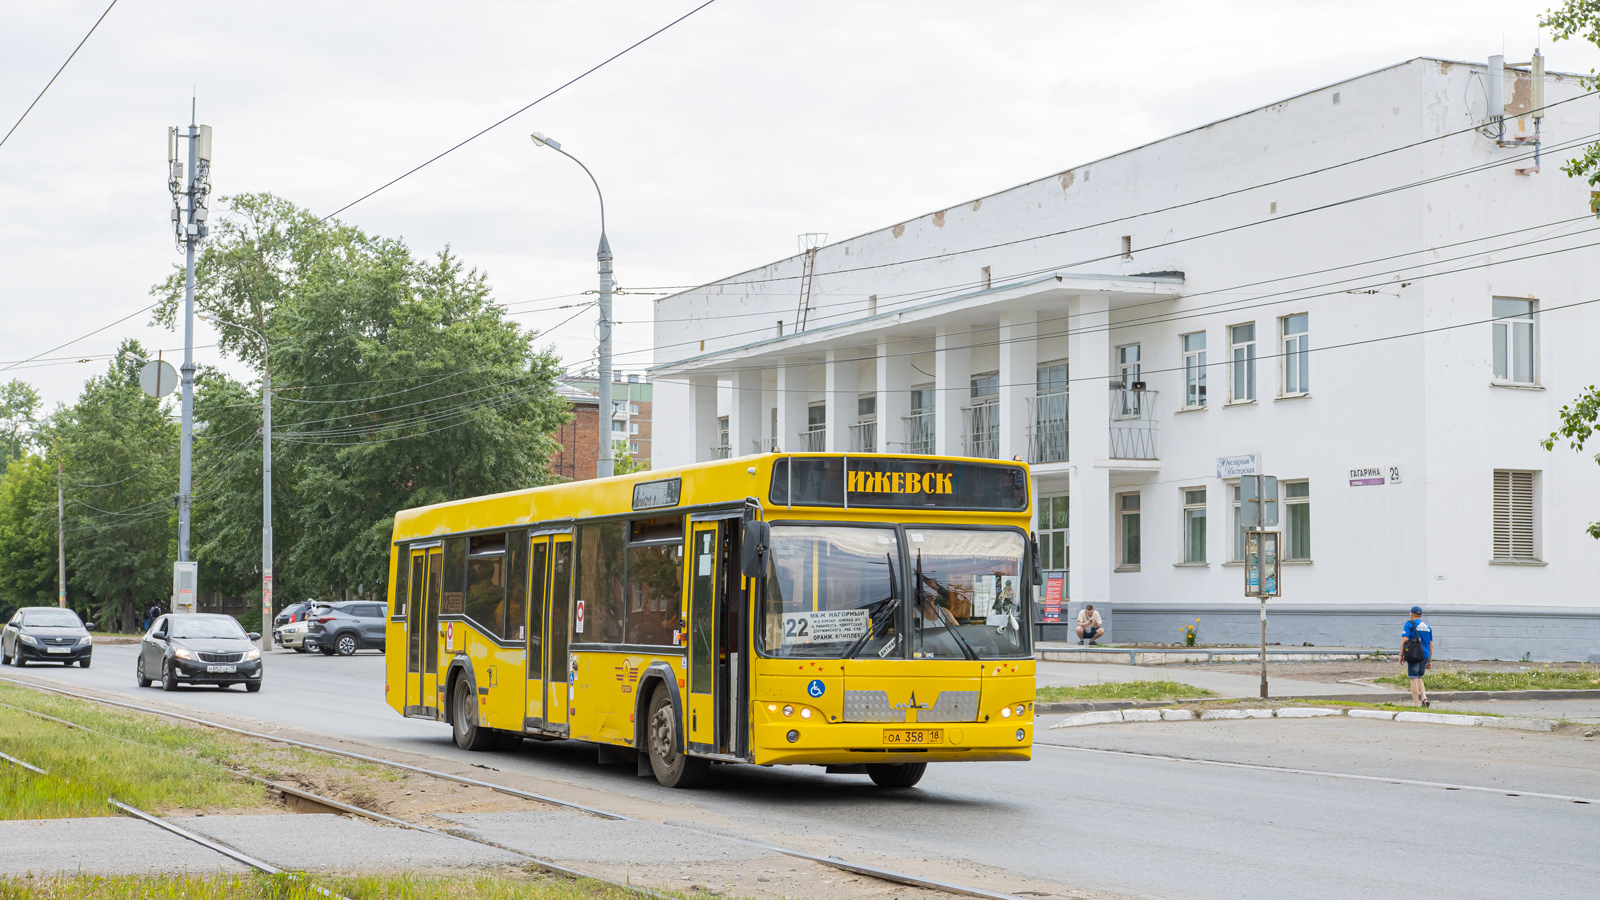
(558, 633)
(416, 597)
(703, 644)
(538, 599)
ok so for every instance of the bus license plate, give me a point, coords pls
(222, 669)
(913, 737)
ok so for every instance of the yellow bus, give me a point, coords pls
(867, 613)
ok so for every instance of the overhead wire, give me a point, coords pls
(53, 78)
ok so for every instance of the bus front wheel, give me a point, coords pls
(464, 719)
(672, 767)
(896, 776)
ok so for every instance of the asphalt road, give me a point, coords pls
(1149, 828)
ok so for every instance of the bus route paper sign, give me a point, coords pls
(824, 625)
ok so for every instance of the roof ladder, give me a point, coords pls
(809, 244)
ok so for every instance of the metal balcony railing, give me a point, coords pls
(864, 437)
(764, 445)
(919, 432)
(721, 451)
(814, 439)
(982, 435)
(1133, 434)
(1047, 436)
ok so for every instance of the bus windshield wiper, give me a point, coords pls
(884, 615)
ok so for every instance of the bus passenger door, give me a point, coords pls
(428, 633)
(558, 632)
(415, 630)
(703, 645)
(538, 578)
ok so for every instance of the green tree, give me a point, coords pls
(1579, 19)
(120, 451)
(27, 534)
(19, 411)
(1577, 427)
(396, 384)
(623, 462)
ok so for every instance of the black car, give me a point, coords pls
(294, 612)
(198, 648)
(346, 627)
(46, 634)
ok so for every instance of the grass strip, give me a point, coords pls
(1587, 677)
(1122, 690)
(515, 885)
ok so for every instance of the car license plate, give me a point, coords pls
(58, 649)
(223, 669)
(913, 737)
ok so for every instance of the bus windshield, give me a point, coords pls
(966, 594)
(831, 591)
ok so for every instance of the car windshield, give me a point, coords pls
(51, 618)
(967, 595)
(831, 592)
(201, 627)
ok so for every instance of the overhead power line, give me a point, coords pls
(574, 80)
(53, 78)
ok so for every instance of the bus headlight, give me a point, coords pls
(1021, 710)
(805, 712)
(1021, 733)
(793, 735)
(788, 711)
(1005, 712)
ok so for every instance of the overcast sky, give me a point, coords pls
(716, 143)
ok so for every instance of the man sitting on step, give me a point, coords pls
(1089, 625)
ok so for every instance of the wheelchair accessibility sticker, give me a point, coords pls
(816, 688)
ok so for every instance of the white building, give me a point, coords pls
(1310, 283)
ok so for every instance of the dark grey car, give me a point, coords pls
(46, 634)
(198, 648)
(347, 626)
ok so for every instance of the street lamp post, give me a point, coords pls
(604, 466)
(266, 480)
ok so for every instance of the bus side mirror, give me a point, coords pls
(753, 548)
(1038, 572)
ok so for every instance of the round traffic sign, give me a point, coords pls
(158, 378)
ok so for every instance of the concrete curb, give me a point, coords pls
(1109, 716)
(1075, 706)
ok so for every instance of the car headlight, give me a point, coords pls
(183, 652)
(252, 654)
(28, 639)
(86, 639)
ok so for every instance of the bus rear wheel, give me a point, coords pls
(671, 766)
(903, 775)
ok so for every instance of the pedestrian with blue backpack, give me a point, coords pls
(1416, 648)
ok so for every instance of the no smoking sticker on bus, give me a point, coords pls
(578, 619)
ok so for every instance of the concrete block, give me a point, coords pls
(1437, 718)
(1141, 715)
(1301, 712)
(1223, 714)
(1176, 715)
(1257, 713)
(1090, 718)
(1370, 714)
(1520, 724)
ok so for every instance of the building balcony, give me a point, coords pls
(764, 445)
(982, 435)
(1134, 427)
(864, 437)
(814, 439)
(721, 451)
(919, 432)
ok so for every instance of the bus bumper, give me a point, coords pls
(820, 743)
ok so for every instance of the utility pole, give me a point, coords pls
(605, 465)
(189, 226)
(61, 533)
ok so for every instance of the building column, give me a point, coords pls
(794, 398)
(1019, 372)
(703, 412)
(745, 426)
(1093, 524)
(839, 387)
(952, 383)
(894, 395)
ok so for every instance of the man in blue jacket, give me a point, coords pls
(1416, 648)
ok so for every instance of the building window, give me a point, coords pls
(1055, 545)
(1296, 354)
(864, 434)
(1513, 340)
(722, 448)
(1050, 414)
(1297, 519)
(816, 428)
(1244, 363)
(919, 425)
(1515, 516)
(633, 427)
(1128, 372)
(633, 409)
(617, 427)
(983, 416)
(1128, 531)
(1194, 525)
(1194, 370)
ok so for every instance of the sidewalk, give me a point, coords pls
(1223, 684)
